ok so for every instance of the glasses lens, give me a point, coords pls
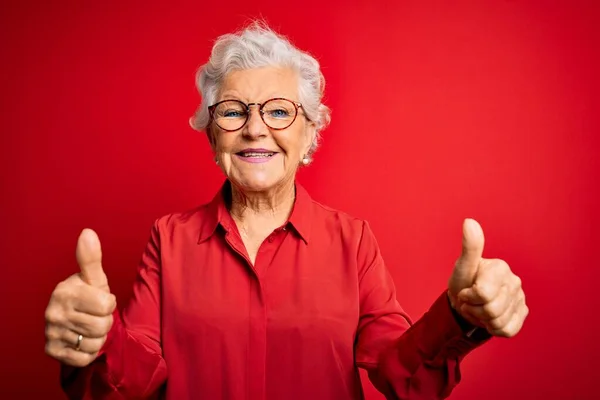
(230, 115)
(278, 113)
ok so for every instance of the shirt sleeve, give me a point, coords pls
(130, 364)
(405, 360)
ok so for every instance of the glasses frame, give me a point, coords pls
(211, 111)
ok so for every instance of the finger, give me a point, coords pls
(468, 316)
(467, 264)
(493, 309)
(70, 338)
(491, 277)
(514, 325)
(89, 325)
(497, 324)
(470, 296)
(475, 295)
(502, 320)
(68, 355)
(94, 301)
(472, 241)
(89, 258)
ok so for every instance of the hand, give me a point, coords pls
(80, 305)
(485, 291)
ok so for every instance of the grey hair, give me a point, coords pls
(259, 46)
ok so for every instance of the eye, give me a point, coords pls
(232, 113)
(278, 113)
(279, 109)
(230, 109)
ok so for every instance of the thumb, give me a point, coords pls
(89, 258)
(472, 250)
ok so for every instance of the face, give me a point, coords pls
(256, 157)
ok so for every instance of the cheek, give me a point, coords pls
(222, 143)
(212, 135)
(292, 143)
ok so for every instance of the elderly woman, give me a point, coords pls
(263, 293)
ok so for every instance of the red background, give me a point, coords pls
(482, 109)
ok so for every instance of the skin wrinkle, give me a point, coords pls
(262, 194)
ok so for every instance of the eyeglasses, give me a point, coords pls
(231, 115)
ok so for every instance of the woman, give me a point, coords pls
(264, 293)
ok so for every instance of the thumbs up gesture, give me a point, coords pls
(485, 291)
(79, 314)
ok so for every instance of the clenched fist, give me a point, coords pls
(485, 291)
(79, 314)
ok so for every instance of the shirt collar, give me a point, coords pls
(216, 214)
(301, 217)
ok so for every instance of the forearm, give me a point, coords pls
(128, 366)
(424, 363)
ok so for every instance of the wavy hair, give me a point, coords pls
(257, 46)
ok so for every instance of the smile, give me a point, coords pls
(253, 156)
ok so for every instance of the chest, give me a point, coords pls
(252, 246)
(249, 241)
(288, 287)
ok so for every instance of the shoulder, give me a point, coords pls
(339, 222)
(334, 228)
(186, 217)
(187, 223)
(324, 212)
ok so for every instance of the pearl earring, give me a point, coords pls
(305, 160)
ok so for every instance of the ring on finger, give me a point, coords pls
(78, 344)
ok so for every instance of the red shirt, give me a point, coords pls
(204, 323)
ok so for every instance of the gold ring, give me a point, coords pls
(79, 339)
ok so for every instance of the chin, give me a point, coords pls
(261, 184)
(256, 185)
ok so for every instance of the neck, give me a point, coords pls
(274, 205)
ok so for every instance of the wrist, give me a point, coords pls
(451, 300)
(465, 325)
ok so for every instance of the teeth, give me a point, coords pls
(257, 154)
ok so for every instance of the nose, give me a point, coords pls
(255, 126)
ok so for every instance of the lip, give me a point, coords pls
(252, 150)
(256, 160)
